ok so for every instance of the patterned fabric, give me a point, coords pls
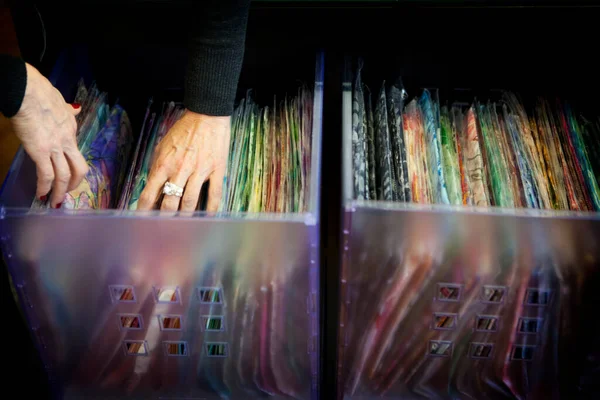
(170, 115)
(577, 134)
(385, 176)
(575, 168)
(459, 132)
(359, 142)
(134, 167)
(434, 151)
(450, 159)
(395, 100)
(552, 155)
(497, 166)
(416, 154)
(107, 158)
(474, 163)
(269, 157)
(492, 154)
(371, 149)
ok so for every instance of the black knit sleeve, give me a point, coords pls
(215, 56)
(13, 81)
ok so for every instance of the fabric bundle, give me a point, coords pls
(268, 167)
(269, 157)
(104, 138)
(154, 129)
(485, 154)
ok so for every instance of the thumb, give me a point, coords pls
(76, 108)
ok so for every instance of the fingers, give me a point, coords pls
(62, 178)
(75, 108)
(171, 203)
(215, 189)
(153, 189)
(78, 165)
(191, 195)
(45, 177)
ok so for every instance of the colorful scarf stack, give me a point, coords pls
(269, 156)
(153, 130)
(493, 154)
(268, 168)
(104, 138)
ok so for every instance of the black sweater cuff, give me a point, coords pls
(211, 80)
(215, 56)
(13, 81)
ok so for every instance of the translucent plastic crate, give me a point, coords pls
(454, 303)
(144, 305)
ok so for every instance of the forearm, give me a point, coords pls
(13, 81)
(215, 56)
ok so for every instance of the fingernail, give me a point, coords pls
(75, 105)
(59, 205)
(43, 198)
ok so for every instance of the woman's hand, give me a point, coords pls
(193, 151)
(46, 126)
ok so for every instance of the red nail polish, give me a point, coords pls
(43, 198)
(75, 105)
(59, 205)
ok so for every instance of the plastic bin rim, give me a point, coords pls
(307, 218)
(354, 205)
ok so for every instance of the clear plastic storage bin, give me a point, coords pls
(142, 305)
(456, 302)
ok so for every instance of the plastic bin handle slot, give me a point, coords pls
(167, 295)
(484, 323)
(444, 321)
(176, 349)
(440, 348)
(216, 349)
(481, 350)
(135, 347)
(122, 293)
(449, 292)
(523, 353)
(210, 295)
(537, 297)
(493, 294)
(170, 322)
(130, 321)
(213, 323)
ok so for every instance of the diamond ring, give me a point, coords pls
(171, 189)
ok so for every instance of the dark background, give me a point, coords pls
(138, 49)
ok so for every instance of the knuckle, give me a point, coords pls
(68, 147)
(47, 176)
(64, 178)
(144, 198)
(79, 174)
(179, 164)
(185, 171)
(56, 148)
(188, 203)
(42, 149)
(162, 169)
(168, 204)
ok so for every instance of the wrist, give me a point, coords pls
(194, 116)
